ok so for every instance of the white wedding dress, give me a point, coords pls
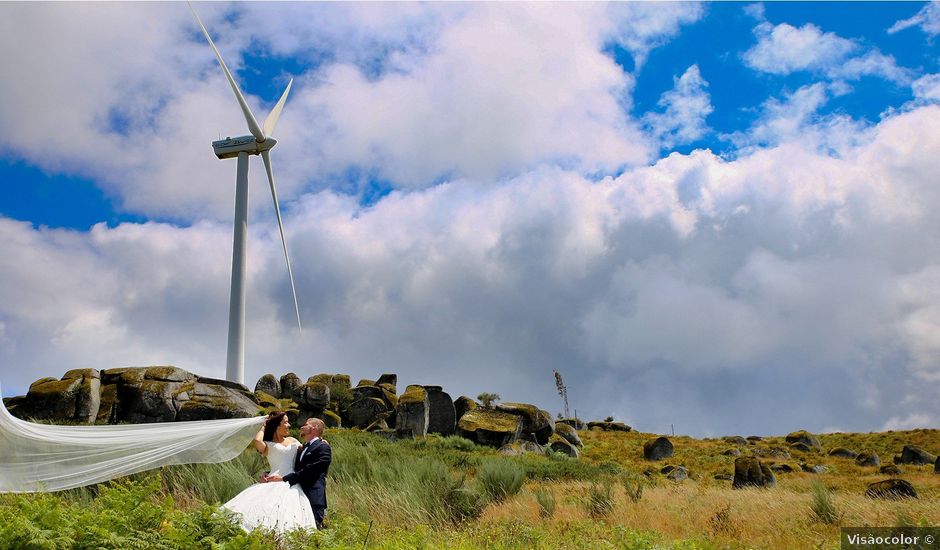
(277, 505)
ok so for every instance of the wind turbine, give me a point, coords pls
(259, 142)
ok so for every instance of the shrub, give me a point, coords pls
(823, 508)
(457, 443)
(599, 501)
(488, 399)
(546, 501)
(500, 479)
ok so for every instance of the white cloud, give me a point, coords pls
(927, 88)
(131, 97)
(685, 109)
(928, 19)
(784, 49)
(790, 275)
(641, 26)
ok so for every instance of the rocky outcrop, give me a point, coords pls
(892, 489)
(412, 411)
(136, 395)
(76, 398)
(535, 421)
(868, 460)
(442, 416)
(657, 449)
(912, 454)
(489, 427)
(810, 441)
(734, 440)
(609, 426)
(750, 472)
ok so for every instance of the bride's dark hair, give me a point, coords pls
(271, 424)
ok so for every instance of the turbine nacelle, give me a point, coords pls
(230, 147)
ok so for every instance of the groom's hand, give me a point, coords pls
(270, 479)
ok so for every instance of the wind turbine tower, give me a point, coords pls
(259, 142)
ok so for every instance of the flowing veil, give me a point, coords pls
(42, 457)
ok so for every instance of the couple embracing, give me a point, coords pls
(293, 494)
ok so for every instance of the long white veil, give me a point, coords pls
(41, 457)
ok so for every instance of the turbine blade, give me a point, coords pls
(266, 156)
(271, 121)
(249, 118)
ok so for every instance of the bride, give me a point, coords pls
(278, 506)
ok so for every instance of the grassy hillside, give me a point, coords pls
(449, 493)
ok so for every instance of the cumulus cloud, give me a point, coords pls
(784, 49)
(711, 293)
(409, 95)
(927, 19)
(685, 109)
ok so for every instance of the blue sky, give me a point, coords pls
(671, 204)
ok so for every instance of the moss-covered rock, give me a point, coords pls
(290, 383)
(657, 449)
(559, 444)
(390, 379)
(806, 438)
(363, 411)
(313, 395)
(321, 378)
(575, 423)
(842, 452)
(270, 385)
(891, 489)
(365, 382)
(569, 434)
(868, 459)
(489, 427)
(609, 426)
(751, 472)
(331, 419)
(534, 420)
(911, 454)
(389, 398)
(267, 400)
(412, 411)
(463, 404)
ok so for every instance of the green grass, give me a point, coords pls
(446, 492)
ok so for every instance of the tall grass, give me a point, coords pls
(546, 503)
(500, 478)
(822, 506)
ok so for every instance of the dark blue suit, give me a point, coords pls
(310, 469)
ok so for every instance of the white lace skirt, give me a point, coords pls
(277, 505)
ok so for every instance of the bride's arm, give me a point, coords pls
(258, 442)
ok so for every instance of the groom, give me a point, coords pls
(311, 466)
